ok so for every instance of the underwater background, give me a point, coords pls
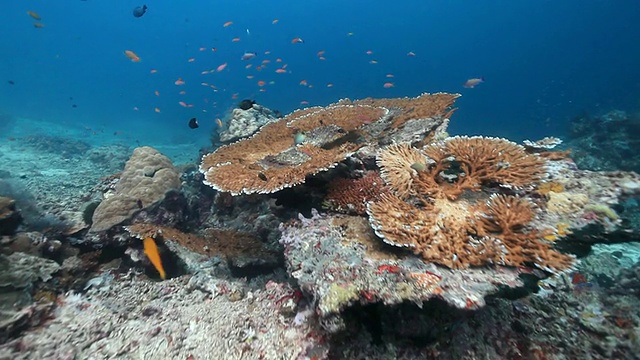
(543, 62)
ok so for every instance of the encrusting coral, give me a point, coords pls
(352, 195)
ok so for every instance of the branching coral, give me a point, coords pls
(351, 195)
(431, 214)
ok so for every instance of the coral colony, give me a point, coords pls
(407, 232)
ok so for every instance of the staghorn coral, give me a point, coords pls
(147, 176)
(351, 195)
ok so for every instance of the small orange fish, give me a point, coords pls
(221, 67)
(297, 40)
(191, 59)
(250, 76)
(388, 85)
(235, 96)
(275, 21)
(157, 93)
(248, 66)
(182, 103)
(320, 53)
(369, 52)
(153, 71)
(389, 75)
(261, 83)
(34, 15)
(278, 60)
(235, 39)
(304, 102)
(179, 82)
(267, 52)
(151, 250)
(38, 25)
(303, 82)
(471, 83)
(182, 92)
(228, 23)
(132, 56)
(219, 122)
(281, 71)
(156, 110)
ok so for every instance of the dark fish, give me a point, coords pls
(74, 106)
(193, 123)
(139, 10)
(246, 104)
(11, 82)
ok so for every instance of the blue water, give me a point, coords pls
(543, 61)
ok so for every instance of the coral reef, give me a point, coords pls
(147, 177)
(10, 218)
(272, 159)
(245, 122)
(606, 142)
(62, 146)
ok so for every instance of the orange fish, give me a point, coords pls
(235, 39)
(248, 66)
(156, 110)
(151, 250)
(191, 59)
(179, 82)
(320, 53)
(388, 85)
(228, 23)
(182, 92)
(281, 71)
(182, 103)
(157, 93)
(297, 40)
(471, 83)
(275, 21)
(303, 82)
(261, 83)
(221, 67)
(38, 25)
(219, 122)
(249, 76)
(389, 75)
(34, 15)
(304, 102)
(278, 60)
(132, 56)
(153, 71)
(369, 52)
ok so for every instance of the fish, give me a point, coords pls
(320, 53)
(246, 104)
(261, 83)
(411, 53)
(193, 123)
(303, 82)
(151, 250)
(138, 11)
(471, 83)
(388, 85)
(11, 82)
(227, 24)
(389, 75)
(191, 59)
(281, 71)
(235, 39)
(248, 55)
(132, 56)
(38, 25)
(34, 15)
(369, 52)
(183, 104)
(179, 82)
(156, 110)
(221, 67)
(219, 122)
(275, 21)
(157, 93)
(153, 71)
(297, 40)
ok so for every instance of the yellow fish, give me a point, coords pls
(151, 250)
